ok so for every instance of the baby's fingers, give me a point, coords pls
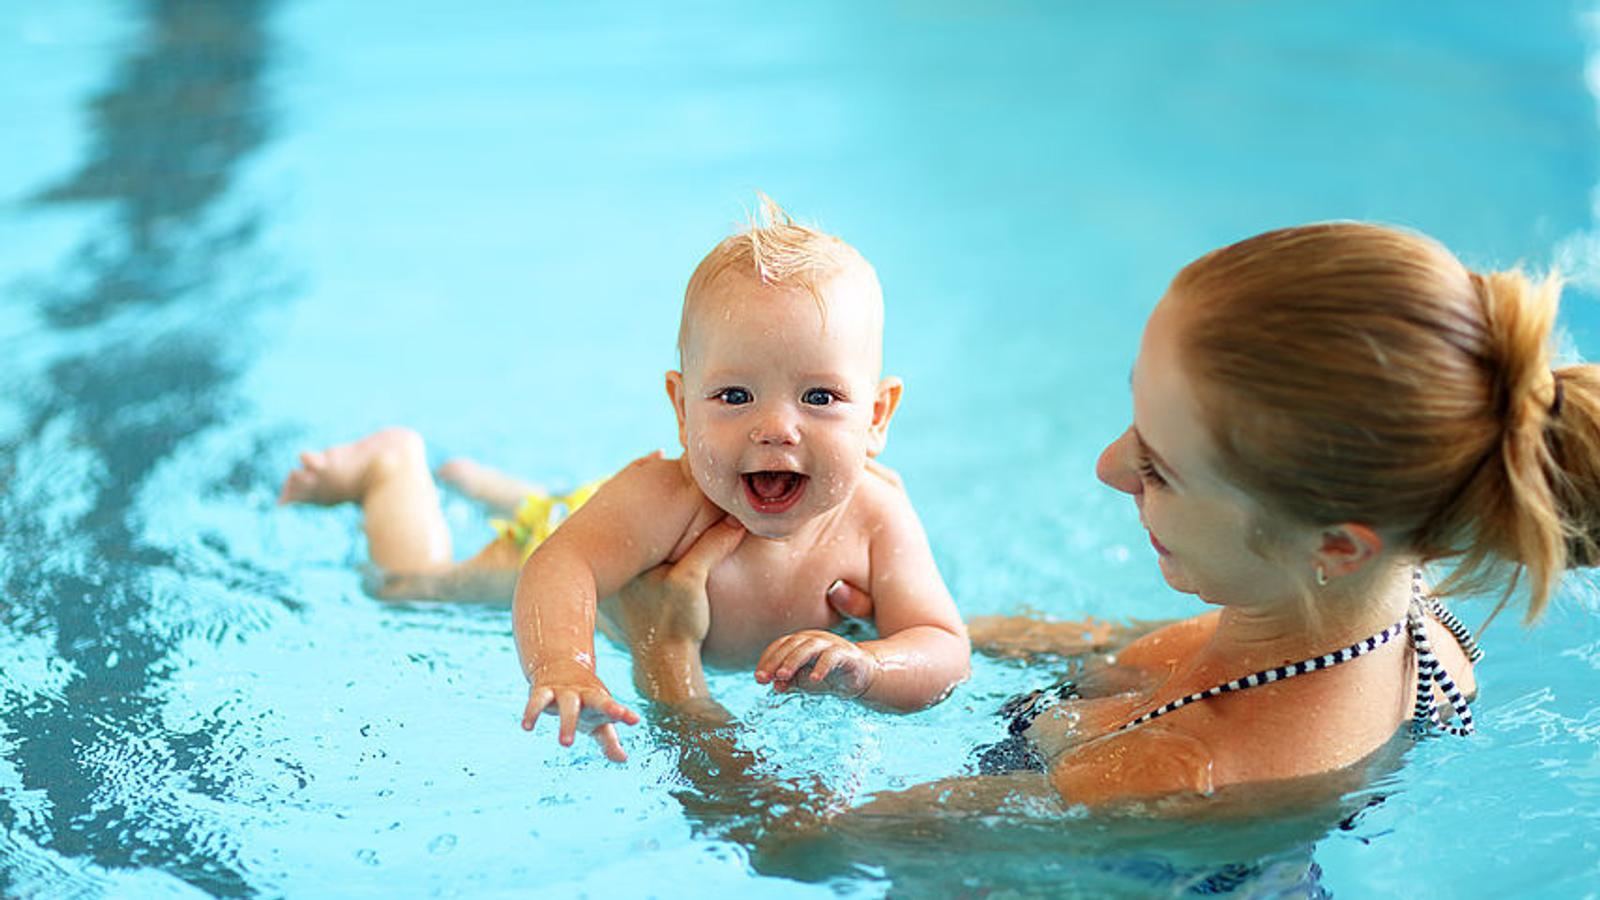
(610, 744)
(598, 703)
(570, 707)
(770, 657)
(538, 700)
(829, 658)
(799, 656)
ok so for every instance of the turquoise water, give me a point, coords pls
(232, 231)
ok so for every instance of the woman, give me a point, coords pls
(1318, 412)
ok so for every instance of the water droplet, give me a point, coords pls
(442, 844)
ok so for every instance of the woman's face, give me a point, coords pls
(1210, 538)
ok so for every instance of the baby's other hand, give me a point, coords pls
(817, 662)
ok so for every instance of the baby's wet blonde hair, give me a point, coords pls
(776, 250)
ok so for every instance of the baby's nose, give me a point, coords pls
(775, 427)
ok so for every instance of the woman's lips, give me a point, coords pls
(1157, 544)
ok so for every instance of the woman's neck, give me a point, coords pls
(1342, 612)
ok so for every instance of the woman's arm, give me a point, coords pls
(1028, 637)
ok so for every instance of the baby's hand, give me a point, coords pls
(817, 662)
(578, 696)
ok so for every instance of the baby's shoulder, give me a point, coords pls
(658, 491)
(669, 492)
(658, 475)
(880, 498)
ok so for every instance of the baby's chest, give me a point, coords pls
(757, 599)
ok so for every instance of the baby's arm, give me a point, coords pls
(630, 525)
(923, 652)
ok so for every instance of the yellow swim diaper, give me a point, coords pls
(539, 515)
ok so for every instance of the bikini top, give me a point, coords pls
(1425, 714)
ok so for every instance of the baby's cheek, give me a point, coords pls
(839, 480)
(705, 465)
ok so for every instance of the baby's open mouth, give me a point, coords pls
(771, 493)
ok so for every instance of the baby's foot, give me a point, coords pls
(491, 487)
(343, 473)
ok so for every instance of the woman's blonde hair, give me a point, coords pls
(1358, 373)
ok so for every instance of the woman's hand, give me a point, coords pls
(666, 615)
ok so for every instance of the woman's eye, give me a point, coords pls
(734, 396)
(818, 397)
(1147, 471)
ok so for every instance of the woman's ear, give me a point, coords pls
(884, 402)
(675, 393)
(1346, 549)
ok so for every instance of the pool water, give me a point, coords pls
(232, 231)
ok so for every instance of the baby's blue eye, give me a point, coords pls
(734, 396)
(818, 397)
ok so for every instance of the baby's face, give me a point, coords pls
(778, 410)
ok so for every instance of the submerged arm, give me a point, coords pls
(1028, 637)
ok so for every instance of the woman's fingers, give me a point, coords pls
(711, 548)
(849, 601)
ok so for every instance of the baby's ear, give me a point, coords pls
(676, 395)
(884, 402)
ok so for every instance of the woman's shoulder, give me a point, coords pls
(1139, 764)
(1165, 647)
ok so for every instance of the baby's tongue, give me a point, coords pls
(771, 485)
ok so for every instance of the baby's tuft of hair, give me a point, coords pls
(774, 249)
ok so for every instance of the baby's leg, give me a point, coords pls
(493, 488)
(387, 473)
(488, 577)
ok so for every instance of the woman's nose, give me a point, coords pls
(775, 425)
(1115, 466)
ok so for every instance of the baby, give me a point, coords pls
(781, 407)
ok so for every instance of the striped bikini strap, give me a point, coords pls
(1429, 671)
(1268, 676)
(1457, 630)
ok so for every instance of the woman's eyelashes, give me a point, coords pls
(1147, 471)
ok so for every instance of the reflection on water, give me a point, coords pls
(183, 109)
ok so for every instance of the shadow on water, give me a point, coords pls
(184, 109)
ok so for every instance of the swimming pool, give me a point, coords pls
(232, 231)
